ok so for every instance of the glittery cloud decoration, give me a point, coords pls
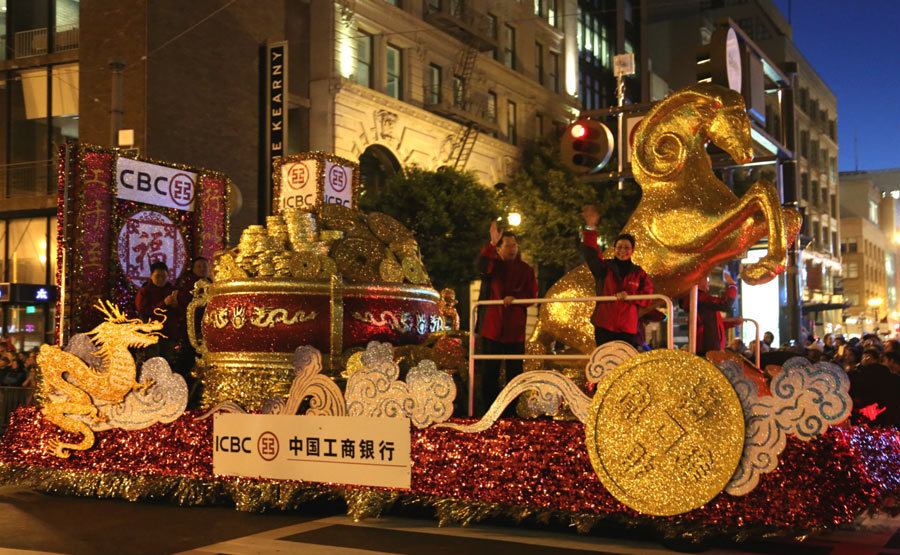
(165, 400)
(374, 390)
(806, 399)
(606, 357)
(551, 389)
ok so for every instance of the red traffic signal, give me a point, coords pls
(586, 146)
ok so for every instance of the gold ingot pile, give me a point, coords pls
(294, 245)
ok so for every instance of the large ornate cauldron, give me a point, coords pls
(250, 329)
(330, 276)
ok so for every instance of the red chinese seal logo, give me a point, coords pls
(181, 189)
(298, 176)
(267, 446)
(338, 178)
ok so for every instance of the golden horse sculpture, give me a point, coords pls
(687, 222)
(71, 386)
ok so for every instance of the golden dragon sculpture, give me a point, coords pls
(687, 222)
(71, 387)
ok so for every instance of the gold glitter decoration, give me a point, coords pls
(305, 265)
(245, 378)
(403, 248)
(61, 371)
(336, 216)
(390, 270)
(414, 271)
(354, 363)
(387, 228)
(688, 222)
(447, 308)
(337, 322)
(665, 432)
(358, 260)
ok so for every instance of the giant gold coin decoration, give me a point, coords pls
(387, 228)
(665, 432)
(358, 260)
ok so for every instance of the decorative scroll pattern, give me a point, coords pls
(606, 357)
(551, 389)
(402, 322)
(260, 316)
(373, 390)
(806, 399)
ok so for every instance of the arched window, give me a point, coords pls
(376, 167)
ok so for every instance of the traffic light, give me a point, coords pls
(586, 146)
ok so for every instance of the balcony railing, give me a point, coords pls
(34, 42)
(461, 19)
(453, 104)
(26, 178)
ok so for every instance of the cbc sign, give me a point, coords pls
(157, 185)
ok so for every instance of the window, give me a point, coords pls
(873, 212)
(459, 92)
(492, 32)
(804, 143)
(552, 13)
(492, 106)
(553, 72)
(804, 186)
(538, 7)
(834, 205)
(852, 270)
(849, 247)
(511, 134)
(539, 62)
(394, 71)
(815, 192)
(509, 48)
(538, 125)
(434, 84)
(834, 242)
(364, 59)
(28, 250)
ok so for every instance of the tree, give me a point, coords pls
(549, 197)
(449, 212)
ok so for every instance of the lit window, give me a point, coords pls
(364, 59)
(434, 81)
(509, 48)
(394, 70)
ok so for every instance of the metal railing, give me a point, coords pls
(756, 324)
(10, 399)
(670, 332)
(34, 41)
(27, 178)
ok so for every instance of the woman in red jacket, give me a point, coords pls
(619, 277)
(504, 276)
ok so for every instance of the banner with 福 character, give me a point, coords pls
(117, 215)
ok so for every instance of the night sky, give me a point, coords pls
(855, 48)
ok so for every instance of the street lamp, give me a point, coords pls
(514, 219)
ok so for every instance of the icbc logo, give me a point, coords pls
(338, 178)
(181, 189)
(298, 176)
(267, 446)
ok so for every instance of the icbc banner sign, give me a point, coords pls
(354, 450)
(338, 184)
(154, 184)
(299, 185)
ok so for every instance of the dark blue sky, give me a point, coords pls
(855, 48)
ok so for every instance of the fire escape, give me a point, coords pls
(470, 110)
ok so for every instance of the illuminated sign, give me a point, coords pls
(30, 310)
(32, 293)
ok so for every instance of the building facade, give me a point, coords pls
(870, 246)
(388, 83)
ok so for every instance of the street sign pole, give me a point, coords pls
(623, 65)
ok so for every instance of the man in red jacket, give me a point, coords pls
(157, 299)
(710, 327)
(504, 276)
(619, 277)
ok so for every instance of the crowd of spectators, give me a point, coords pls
(17, 369)
(872, 363)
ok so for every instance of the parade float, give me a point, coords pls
(308, 314)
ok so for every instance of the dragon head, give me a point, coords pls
(131, 332)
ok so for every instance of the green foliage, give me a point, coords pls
(449, 212)
(549, 197)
